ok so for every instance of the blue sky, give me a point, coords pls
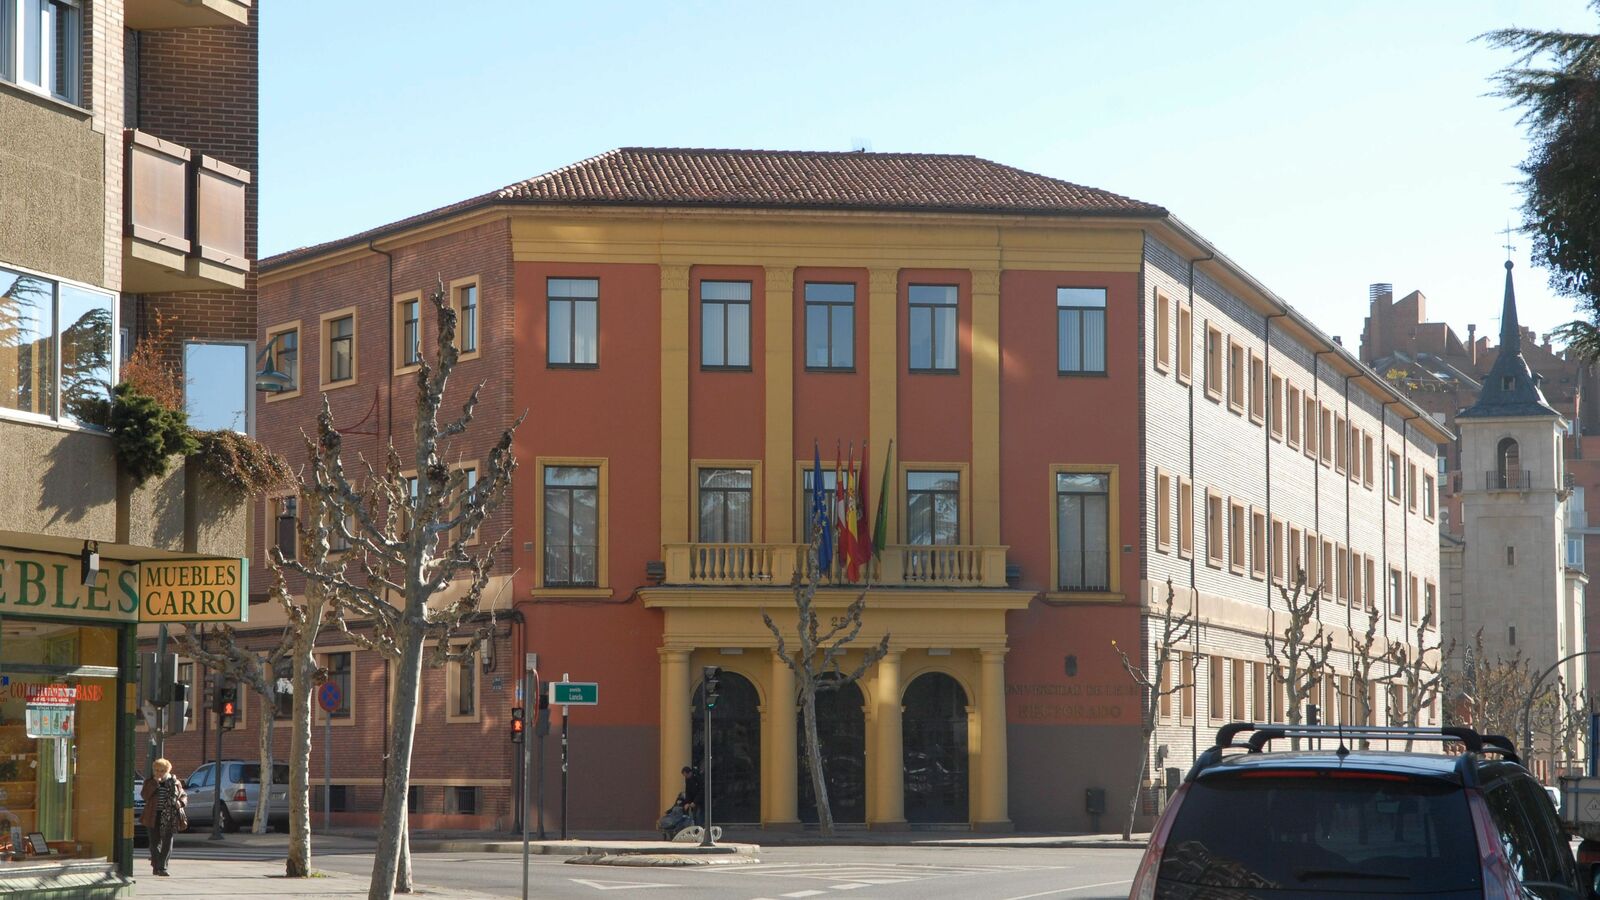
(1322, 146)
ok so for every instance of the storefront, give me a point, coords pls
(68, 702)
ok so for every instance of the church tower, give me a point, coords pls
(1515, 585)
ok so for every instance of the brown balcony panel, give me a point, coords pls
(154, 15)
(155, 243)
(219, 251)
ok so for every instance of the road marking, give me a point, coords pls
(618, 885)
(850, 887)
(1081, 887)
(805, 894)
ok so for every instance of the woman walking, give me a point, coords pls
(165, 812)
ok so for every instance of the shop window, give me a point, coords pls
(573, 318)
(932, 327)
(725, 325)
(830, 326)
(1081, 330)
(45, 321)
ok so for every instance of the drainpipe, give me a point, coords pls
(1194, 590)
(389, 436)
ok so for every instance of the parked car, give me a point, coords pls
(141, 837)
(240, 784)
(1344, 822)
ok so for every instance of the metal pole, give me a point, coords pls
(564, 709)
(1527, 705)
(541, 724)
(530, 698)
(705, 837)
(327, 771)
(216, 774)
(158, 734)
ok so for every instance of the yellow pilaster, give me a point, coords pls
(779, 368)
(778, 744)
(993, 803)
(986, 406)
(882, 409)
(675, 715)
(888, 759)
(674, 405)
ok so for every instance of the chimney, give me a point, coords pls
(1338, 340)
(1472, 343)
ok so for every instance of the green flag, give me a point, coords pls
(880, 528)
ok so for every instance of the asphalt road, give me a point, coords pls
(860, 873)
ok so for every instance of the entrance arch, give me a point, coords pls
(735, 749)
(842, 737)
(935, 742)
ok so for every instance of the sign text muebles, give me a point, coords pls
(41, 583)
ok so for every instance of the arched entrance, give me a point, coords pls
(935, 740)
(842, 736)
(735, 750)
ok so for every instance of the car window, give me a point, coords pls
(1536, 864)
(1316, 834)
(280, 773)
(242, 774)
(201, 777)
(1554, 851)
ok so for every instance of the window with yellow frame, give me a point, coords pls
(1084, 532)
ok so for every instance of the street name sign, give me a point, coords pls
(575, 693)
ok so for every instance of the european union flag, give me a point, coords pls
(819, 512)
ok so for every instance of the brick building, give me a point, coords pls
(1084, 399)
(128, 143)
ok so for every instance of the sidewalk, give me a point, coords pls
(243, 880)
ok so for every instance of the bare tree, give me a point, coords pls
(219, 650)
(1362, 662)
(1487, 694)
(1561, 718)
(814, 659)
(1175, 630)
(1303, 661)
(409, 540)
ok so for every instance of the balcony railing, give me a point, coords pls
(946, 565)
(1508, 481)
(154, 15)
(185, 219)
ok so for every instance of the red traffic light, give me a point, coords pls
(227, 708)
(518, 724)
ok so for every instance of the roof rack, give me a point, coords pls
(1265, 732)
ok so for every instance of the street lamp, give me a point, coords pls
(1527, 705)
(269, 380)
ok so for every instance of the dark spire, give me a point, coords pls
(1511, 388)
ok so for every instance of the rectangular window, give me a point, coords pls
(41, 46)
(464, 688)
(1366, 460)
(218, 386)
(1341, 437)
(461, 800)
(572, 310)
(45, 324)
(1216, 554)
(1296, 563)
(830, 326)
(1275, 410)
(1370, 582)
(1258, 693)
(283, 356)
(933, 507)
(283, 683)
(1185, 517)
(1238, 695)
(932, 327)
(1258, 543)
(1312, 557)
(726, 502)
(467, 318)
(1326, 429)
(408, 349)
(1163, 354)
(1081, 330)
(725, 324)
(1342, 575)
(1309, 438)
(1083, 509)
(285, 522)
(340, 666)
(1394, 476)
(1326, 569)
(1430, 498)
(1415, 600)
(571, 526)
(341, 348)
(1258, 389)
(1164, 683)
(1163, 510)
(1236, 533)
(1214, 363)
(469, 483)
(1277, 565)
(1411, 486)
(1185, 343)
(1354, 455)
(829, 485)
(1430, 610)
(1293, 411)
(1186, 672)
(1396, 593)
(1237, 375)
(1216, 693)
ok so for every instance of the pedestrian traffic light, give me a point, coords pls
(713, 685)
(226, 703)
(519, 724)
(178, 709)
(1313, 714)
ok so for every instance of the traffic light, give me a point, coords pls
(1313, 714)
(226, 703)
(519, 724)
(178, 708)
(713, 685)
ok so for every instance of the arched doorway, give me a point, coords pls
(934, 731)
(842, 736)
(1508, 460)
(735, 750)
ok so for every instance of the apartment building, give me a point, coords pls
(1071, 381)
(127, 146)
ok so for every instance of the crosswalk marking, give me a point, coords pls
(853, 876)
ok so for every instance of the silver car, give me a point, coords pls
(241, 785)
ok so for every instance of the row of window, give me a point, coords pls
(1241, 378)
(340, 362)
(41, 46)
(1239, 538)
(572, 509)
(572, 317)
(1256, 691)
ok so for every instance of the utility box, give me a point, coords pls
(1094, 801)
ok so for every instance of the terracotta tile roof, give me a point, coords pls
(783, 179)
(813, 180)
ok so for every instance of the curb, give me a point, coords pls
(661, 860)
